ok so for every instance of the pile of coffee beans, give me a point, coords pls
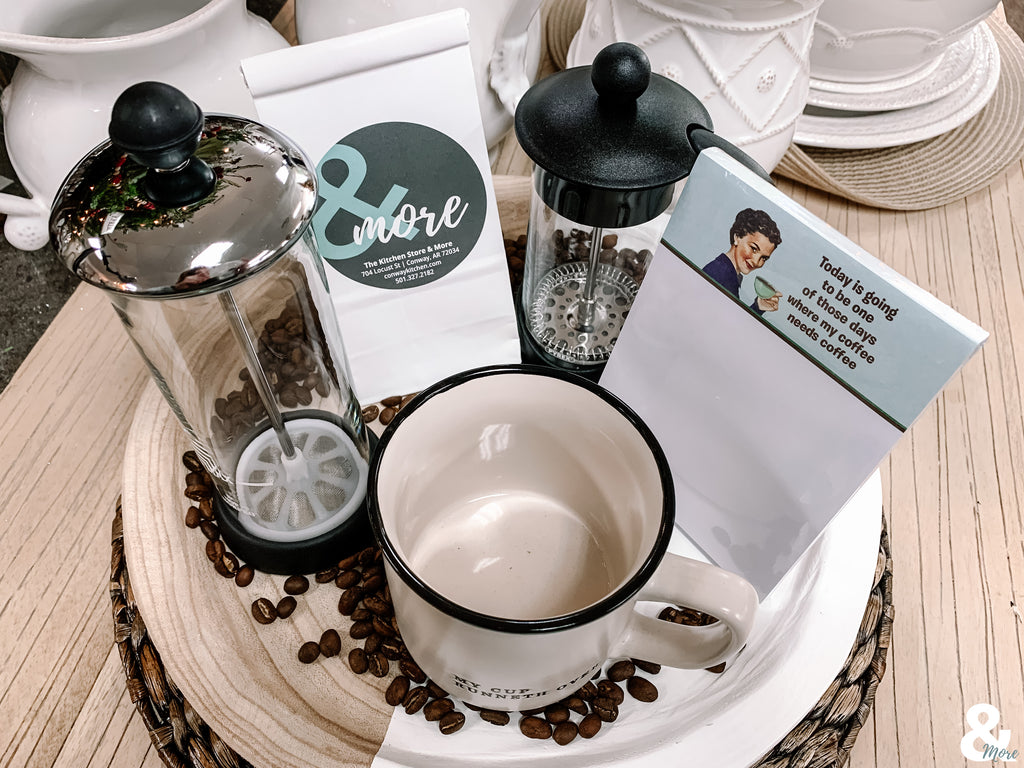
(295, 369)
(515, 256)
(365, 601)
(576, 247)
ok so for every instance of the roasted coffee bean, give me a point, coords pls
(621, 670)
(605, 708)
(263, 611)
(206, 509)
(647, 666)
(349, 600)
(245, 576)
(366, 557)
(330, 643)
(535, 728)
(412, 670)
(494, 716)
(370, 413)
(564, 733)
(378, 606)
(215, 550)
(348, 579)
(197, 492)
(192, 518)
(373, 583)
(382, 627)
(379, 665)
(588, 692)
(286, 606)
(642, 689)
(397, 691)
(191, 461)
(348, 562)
(451, 722)
(391, 402)
(386, 417)
(322, 577)
(358, 660)
(361, 614)
(611, 690)
(360, 629)
(309, 652)
(296, 585)
(221, 568)
(406, 400)
(436, 690)
(717, 669)
(210, 530)
(590, 725)
(577, 705)
(609, 241)
(392, 648)
(531, 712)
(373, 643)
(438, 708)
(227, 565)
(287, 396)
(556, 713)
(415, 699)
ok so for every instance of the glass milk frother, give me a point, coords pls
(609, 142)
(198, 227)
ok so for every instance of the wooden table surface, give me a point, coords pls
(953, 492)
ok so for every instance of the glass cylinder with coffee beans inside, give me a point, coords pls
(609, 142)
(198, 227)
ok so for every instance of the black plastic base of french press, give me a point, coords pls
(294, 557)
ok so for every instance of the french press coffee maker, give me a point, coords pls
(198, 227)
(609, 142)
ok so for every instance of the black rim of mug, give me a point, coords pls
(590, 613)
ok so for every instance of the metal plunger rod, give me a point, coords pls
(259, 378)
(586, 313)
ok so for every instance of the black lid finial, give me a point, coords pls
(621, 72)
(159, 127)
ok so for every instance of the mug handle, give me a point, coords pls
(683, 581)
(508, 76)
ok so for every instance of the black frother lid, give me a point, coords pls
(610, 140)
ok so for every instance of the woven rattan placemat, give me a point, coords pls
(823, 739)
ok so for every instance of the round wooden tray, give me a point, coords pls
(306, 708)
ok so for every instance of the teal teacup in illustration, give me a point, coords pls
(763, 288)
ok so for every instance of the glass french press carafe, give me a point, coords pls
(198, 227)
(609, 142)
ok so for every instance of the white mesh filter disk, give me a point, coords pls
(309, 495)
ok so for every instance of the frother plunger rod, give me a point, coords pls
(256, 373)
(585, 319)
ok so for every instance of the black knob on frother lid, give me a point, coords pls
(159, 127)
(620, 73)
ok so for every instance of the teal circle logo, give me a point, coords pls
(401, 205)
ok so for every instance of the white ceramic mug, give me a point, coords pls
(523, 512)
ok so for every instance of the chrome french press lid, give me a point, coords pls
(176, 202)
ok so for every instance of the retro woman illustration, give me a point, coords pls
(754, 236)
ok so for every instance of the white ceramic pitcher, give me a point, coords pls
(77, 57)
(505, 42)
(746, 60)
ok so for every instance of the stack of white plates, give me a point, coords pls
(927, 103)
